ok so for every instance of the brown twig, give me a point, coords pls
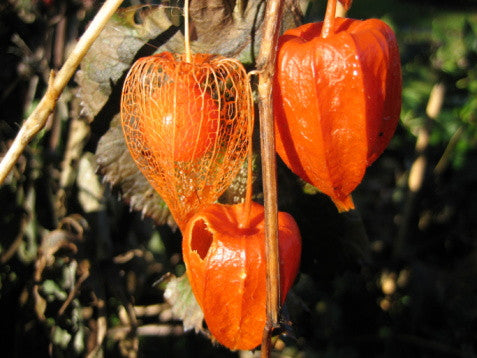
(158, 330)
(84, 269)
(77, 137)
(100, 327)
(446, 157)
(266, 68)
(58, 55)
(419, 167)
(127, 256)
(329, 21)
(37, 120)
(151, 310)
(340, 10)
(186, 31)
(12, 249)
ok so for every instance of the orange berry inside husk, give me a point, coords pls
(183, 118)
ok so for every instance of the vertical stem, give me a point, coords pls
(248, 194)
(340, 10)
(186, 30)
(329, 22)
(266, 68)
(417, 173)
(247, 208)
(58, 55)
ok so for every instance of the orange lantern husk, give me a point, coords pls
(337, 100)
(187, 126)
(225, 262)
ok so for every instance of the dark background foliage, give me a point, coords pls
(395, 278)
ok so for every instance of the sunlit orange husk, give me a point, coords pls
(226, 268)
(187, 126)
(336, 102)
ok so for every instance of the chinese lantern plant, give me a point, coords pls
(225, 259)
(185, 120)
(186, 123)
(224, 251)
(337, 99)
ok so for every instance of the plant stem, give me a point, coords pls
(248, 193)
(340, 10)
(417, 173)
(37, 120)
(266, 68)
(329, 22)
(446, 157)
(186, 30)
(245, 220)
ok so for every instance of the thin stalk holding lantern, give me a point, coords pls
(329, 21)
(186, 31)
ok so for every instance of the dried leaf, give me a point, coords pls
(179, 295)
(118, 168)
(90, 193)
(135, 32)
(114, 50)
(226, 27)
(52, 242)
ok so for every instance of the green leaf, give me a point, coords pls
(53, 290)
(60, 337)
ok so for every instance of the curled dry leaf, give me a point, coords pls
(71, 229)
(118, 168)
(226, 27)
(184, 306)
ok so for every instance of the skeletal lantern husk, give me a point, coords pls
(187, 126)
